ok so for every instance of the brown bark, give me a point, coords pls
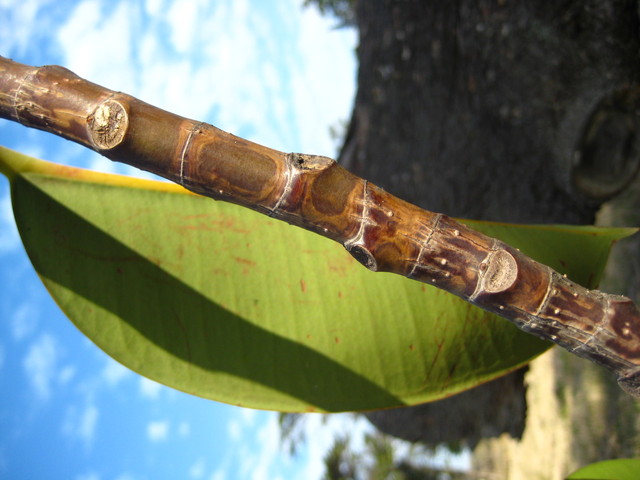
(381, 231)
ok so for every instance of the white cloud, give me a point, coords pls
(158, 431)
(40, 364)
(88, 422)
(184, 429)
(242, 422)
(113, 372)
(234, 430)
(149, 388)
(9, 237)
(88, 476)
(153, 7)
(219, 474)
(66, 374)
(268, 460)
(325, 87)
(125, 476)
(102, 164)
(24, 319)
(269, 437)
(81, 423)
(197, 469)
(22, 17)
(210, 64)
(185, 25)
(105, 53)
(249, 416)
(222, 57)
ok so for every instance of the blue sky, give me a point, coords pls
(269, 71)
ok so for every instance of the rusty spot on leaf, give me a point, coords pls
(340, 267)
(245, 261)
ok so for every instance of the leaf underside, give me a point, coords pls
(221, 302)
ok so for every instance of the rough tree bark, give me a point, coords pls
(510, 111)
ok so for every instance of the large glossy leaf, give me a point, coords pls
(224, 303)
(622, 469)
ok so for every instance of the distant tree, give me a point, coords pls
(341, 9)
(340, 462)
(381, 460)
(381, 450)
(291, 433)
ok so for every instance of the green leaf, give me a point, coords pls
(227, 304)
(622, 469)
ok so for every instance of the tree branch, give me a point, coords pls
(381, 231)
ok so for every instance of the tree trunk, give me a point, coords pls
(483, 105)
(508, 111)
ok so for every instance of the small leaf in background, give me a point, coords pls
(622, 469)
(227, 304)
